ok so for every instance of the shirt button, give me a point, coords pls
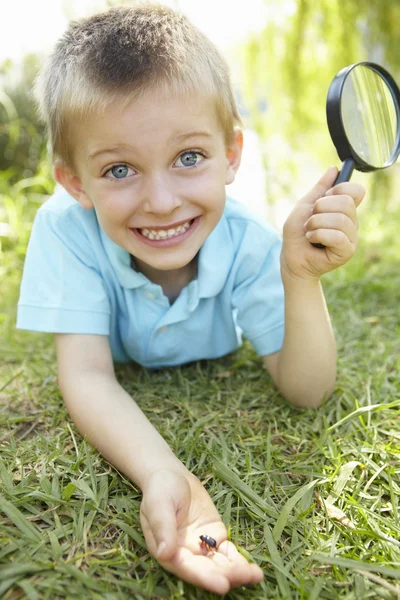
(163, 329)
(150, 296)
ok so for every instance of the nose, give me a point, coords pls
(159, 195)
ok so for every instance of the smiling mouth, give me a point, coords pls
(166, 234)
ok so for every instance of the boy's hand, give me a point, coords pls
(321, 218)
(176, 509)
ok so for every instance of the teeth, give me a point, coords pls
(162, 234)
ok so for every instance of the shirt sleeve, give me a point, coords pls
(62, 289)
(258, 295)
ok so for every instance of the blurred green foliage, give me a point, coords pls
(286, 72)
(25, 172)
(22, 139)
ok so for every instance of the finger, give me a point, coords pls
(232, 553)
(236, 570)
(230, 550)
(323, 184)
(333, 239)
(215, 573)
(338, 221)
(198, 570)
(239, 571)
(339, 204)
(355, 190)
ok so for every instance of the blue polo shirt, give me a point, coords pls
(77, 280)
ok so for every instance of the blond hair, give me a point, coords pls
(114, 56)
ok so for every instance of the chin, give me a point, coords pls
(172, 266)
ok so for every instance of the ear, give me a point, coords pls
(234, 155)
(66, 177)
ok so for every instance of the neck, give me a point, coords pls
(173, 281)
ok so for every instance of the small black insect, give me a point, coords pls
(208, 542)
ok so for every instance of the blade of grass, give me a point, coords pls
(290, 504)
(228, 476)
(344, 474)
(282, 575)
(362, 410)
(349, 563)
(15, 515)
(131, 532)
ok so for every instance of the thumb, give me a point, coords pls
(161, 521)
(165, 503)
(327, 180)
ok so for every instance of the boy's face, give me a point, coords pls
(156, 173)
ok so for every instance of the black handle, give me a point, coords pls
(344, 175)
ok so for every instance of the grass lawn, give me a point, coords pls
(311, 496)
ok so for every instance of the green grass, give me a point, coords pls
(69, 522)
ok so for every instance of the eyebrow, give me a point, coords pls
(185, 136)
(178, 138)
(96, 153)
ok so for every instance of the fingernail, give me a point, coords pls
(308, 234)
(160, 548)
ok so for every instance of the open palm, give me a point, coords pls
(176, 509)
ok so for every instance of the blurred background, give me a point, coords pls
(283, 55)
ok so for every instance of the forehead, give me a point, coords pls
(153, 117)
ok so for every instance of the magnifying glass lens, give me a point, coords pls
(369, 116)
(363, 113)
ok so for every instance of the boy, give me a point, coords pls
(142, 257)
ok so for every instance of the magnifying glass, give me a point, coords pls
(363, 114)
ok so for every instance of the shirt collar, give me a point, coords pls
(120, 260)
(215, 259)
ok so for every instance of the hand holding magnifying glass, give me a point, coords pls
(363, 113)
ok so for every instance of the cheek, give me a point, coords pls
(114, 206)
(210, 188)
(214, 194)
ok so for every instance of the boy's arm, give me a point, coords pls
(176, 509)
(304, 370)
(104, 412)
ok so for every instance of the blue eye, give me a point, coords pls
(119, 171)
(189, 159)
